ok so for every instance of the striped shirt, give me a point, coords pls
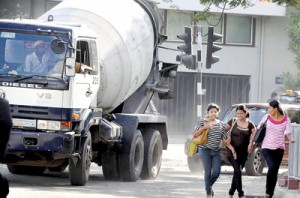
(275, 132)
(215, 134)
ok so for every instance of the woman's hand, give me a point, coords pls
(292, 141)
(250, 148)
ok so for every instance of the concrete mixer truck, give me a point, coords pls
(79, 80)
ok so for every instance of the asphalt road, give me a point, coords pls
(175, 181)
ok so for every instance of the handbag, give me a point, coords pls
(261, 132)
(191, 148)
(202, 138)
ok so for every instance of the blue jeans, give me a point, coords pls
(211, 161)
(273, 159)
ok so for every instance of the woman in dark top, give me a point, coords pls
(241, 132)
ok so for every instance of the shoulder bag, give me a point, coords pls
(261, 132)
(234, 120)
(202, 138)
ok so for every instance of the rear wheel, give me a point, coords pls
(131, 160)
(79, 172)
(255, 163)
(152, 154)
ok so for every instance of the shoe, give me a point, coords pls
(242, 197)
(267, 196)
(212, 193)
(230, 196)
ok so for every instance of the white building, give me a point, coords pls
(255, 42)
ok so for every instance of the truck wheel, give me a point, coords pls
(79, 172)
(131, 160)
(25, 170)
(110, 165)
(194, 163)
(255, 163)
(152, 154)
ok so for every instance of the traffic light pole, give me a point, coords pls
(198, 42)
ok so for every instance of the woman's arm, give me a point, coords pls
(289, 136)
(250, 145)
(201, 129)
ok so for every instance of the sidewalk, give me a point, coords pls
(283, 191)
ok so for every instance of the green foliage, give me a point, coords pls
(290, 82)
(294, 33)
(231, 3)
(245, 3)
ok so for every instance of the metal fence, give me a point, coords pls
(294, 151)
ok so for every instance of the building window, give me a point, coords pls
(176, 21)
(216, 21)
(239, 30)
(236, 29)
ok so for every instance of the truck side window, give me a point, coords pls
(83, 52)
(86, 56)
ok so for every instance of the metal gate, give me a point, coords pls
(224, 90)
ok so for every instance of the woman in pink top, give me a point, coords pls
(278, 125)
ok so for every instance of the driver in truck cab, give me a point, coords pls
(36, 62)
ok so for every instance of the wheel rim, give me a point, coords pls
(89, 156)
(156, 158)
(257, 162)
(138, 156)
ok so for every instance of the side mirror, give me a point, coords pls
(58, 46)
(70, 66)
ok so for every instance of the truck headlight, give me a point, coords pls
(53, 125)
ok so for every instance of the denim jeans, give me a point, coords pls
(211, 161)
(273, 159)
(236, 183)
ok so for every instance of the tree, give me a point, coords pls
(246, 3)
(294, 32)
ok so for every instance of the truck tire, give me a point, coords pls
(110, 165)
(194, 163)
(131, 160)
(152, 154)
(25, 170)
(79, 172)
(255, 163)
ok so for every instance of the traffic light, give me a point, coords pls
(187, 38)
(211, 47)
(186, 59)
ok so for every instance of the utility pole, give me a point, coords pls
(198, 45)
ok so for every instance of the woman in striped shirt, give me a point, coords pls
(210, 151)
(278, 125)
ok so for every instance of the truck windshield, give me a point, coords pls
(27, 55)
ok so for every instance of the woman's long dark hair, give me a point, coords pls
(276, 105)
(244, 109)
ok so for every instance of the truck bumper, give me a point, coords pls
(38, 141)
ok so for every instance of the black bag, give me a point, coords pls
(260, 134)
